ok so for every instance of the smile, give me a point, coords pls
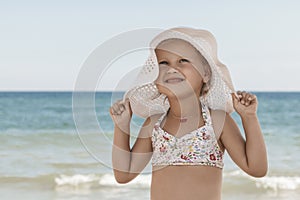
(174, 80)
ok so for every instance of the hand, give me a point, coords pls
(244, 103)
(121, 114)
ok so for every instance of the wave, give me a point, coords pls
(143, 181)
(77, 181)
(270, 182)
(278, 183)
(106, 180)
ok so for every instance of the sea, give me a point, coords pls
(57, 146)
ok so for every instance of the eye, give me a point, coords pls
(183, 60)
(163, 63)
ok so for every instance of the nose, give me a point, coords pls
(172, 70)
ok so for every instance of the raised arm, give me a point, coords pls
(129, 162)
(249, 155)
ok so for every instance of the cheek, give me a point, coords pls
(158, 80)
(195, 80)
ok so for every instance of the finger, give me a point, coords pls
(113, 111)
(249, 96)
(126, 103)
(247, 99)
(235, 99)
(235, 95)
(239, 94)
(253, 98)
(116, 108)
(243, 100)
(127, 106)
(244, 93)
(122, 107)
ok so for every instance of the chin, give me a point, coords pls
(176, 91)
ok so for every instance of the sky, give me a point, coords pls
(44, 44)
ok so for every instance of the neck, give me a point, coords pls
(185, 108)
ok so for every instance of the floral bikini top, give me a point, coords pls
(199, 147)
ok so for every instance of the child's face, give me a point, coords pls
(181, 68)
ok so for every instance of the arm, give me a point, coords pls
(129, 162)
(249, 155)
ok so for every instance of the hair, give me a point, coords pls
(207, 69)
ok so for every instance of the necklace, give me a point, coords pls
(181, 119)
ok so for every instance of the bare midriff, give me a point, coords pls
(186, 182)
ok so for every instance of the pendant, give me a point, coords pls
(183, 119)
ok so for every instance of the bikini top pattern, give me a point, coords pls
(199, 147)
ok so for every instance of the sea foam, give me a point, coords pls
(278, 183)
(105, 180)
(269, 182)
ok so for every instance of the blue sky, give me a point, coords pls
(43, 44)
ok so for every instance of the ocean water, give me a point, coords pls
(45, 154)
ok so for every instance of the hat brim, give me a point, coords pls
(145, 99)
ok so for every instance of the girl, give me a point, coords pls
(187, 99)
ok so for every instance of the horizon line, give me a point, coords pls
(126, 90)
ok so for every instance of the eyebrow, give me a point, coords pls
(162, 59)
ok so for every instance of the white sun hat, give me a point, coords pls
(145, 99)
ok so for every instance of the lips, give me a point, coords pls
(174, 80)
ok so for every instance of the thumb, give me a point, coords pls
(235, 99)
(127, 106)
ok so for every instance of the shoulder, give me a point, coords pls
(218, 118)
(222, 122)
(229, 122)
(230, 129)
